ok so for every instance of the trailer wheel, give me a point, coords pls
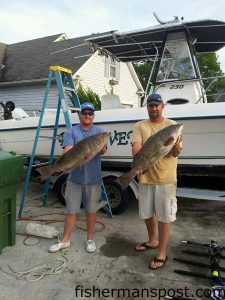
(118, 198)
(60, 187)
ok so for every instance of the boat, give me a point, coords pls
(175, 75)
(203, 144)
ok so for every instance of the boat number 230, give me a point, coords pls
(176, 86)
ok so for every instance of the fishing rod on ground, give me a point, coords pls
(214, 253)
(212, 247)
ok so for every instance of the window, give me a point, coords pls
(112, 68)
(176, 62)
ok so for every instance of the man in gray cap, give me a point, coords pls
(157, 187)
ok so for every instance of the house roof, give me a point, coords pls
(30, 60)
(206, 35)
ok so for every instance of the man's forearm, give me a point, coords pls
(175, 151)
(103, 150)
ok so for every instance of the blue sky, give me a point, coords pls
(22, 20)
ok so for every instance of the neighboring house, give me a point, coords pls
(25, 67)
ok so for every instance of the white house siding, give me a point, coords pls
(127, 89)
(92, 75)
(29, 97)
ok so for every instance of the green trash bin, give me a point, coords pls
(10, 177)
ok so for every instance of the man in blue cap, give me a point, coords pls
(157, 187)
(83, 183)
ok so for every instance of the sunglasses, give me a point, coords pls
(89, 113)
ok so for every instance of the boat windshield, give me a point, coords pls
(176, 62)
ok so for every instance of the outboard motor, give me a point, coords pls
(8, 108)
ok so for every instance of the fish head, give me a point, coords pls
(96, 142)
(105, 136)
(102, 138)
(171, 133)
(177, 129)
(180, 129)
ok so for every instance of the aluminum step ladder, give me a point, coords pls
(64, 82)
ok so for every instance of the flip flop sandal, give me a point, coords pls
(159, 260)
(145, 247)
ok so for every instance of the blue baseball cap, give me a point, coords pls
(154, 99)
(87, 105)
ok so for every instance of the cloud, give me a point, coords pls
(23, 31)
(28, 19)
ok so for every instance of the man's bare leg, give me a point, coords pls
(151, 225)
(164, 234)
(69, 223)
(90, 220)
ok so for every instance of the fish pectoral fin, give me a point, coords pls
(169, 141)
(88, 155)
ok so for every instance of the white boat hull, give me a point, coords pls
(203, 136)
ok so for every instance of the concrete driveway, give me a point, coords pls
(115, 270)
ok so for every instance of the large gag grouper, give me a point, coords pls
(79, 155)
(155, 148)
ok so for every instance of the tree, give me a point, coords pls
(89, 95)
(210, 67)
(143, 70)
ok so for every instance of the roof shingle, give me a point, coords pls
(31, 60)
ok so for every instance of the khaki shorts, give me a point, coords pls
(158, 199)
(90, 194)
